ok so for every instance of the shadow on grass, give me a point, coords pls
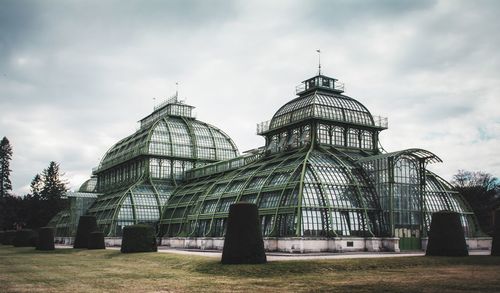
(32, 250)
(278, 268)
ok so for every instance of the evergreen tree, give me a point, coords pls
(36, 187)
(5, 157)
(53, 187)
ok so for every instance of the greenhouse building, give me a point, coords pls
(322, 181)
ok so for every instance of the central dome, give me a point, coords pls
(322, 105)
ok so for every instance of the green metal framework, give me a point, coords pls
(304, 192)
(320, 174)
(66, 221)
(140, 172)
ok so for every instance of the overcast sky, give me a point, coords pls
(76, 76)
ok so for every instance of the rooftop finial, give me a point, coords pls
(176, 90)
(319, 61)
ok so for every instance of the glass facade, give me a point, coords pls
(321, 173)
(137, 175)
(303, 193)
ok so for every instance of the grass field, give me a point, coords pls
(72, 270)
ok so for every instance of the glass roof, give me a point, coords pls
(139, 203)
(328, 106)
(176, 137)
(89, 185)
(320, 193)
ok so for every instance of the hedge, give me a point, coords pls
(86, 225)
(495, 245)
(45, 239)
(243, 243)
(138, 238)
(96, 240)
(446, 236)
(8, 237)
(25, 238)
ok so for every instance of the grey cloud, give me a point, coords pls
(335, 15)
(79, 74)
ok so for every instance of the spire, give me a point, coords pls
(177, 90)
(319, 61)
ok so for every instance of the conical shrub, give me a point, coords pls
(25, 238)
(446, 236)
(45, 239)
(138, 238)
(86, 225)
(495, 245)
(96, 240)
(243, 243)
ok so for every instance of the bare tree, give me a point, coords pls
(482, 192)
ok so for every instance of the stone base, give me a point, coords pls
(476, 243)
(108, 241)
(64, 240)
(293, 244)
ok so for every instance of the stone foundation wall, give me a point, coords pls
(294, 244)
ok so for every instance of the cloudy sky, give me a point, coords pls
(76, 76)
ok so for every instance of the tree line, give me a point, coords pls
(40, 205)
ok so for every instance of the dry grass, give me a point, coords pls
(70, 270)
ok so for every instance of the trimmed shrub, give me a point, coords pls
(86, 225)
(495, 245)
(45, 239)
(25, 238)
(96, 240)
(138, 238)
(243, 243)
(446, 236)
(8, 237)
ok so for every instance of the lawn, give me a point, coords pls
(74, 270)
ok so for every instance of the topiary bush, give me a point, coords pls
(86, 225)
(25, 238)
(45, 239)
(495, 245)
(138, 238)
(243, 243)
(96, 240)
(8, 237)
(446, 236)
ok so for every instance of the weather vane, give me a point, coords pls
(319, 61)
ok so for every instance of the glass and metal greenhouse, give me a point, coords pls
(138, 174)
(321, 175)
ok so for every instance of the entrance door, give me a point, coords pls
(410, 243)
(409, 239)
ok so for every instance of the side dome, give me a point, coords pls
(191, 139)
(175, 137)
(89, 185)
